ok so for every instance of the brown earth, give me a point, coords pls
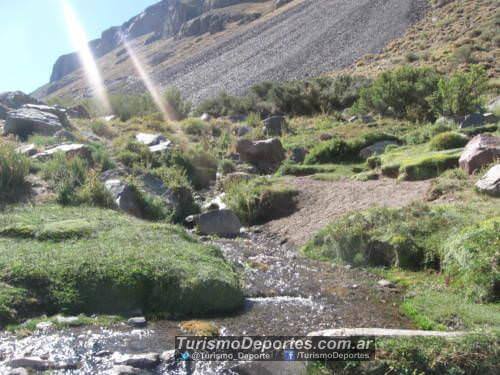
(321, 202)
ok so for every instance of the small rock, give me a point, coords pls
(161, 147)
(138, 321)
(44, 325)
(490, 182)
(125, 196)
(168, 356)
(367, 119)
(103, 353)
(142, 361)
(150, 139)
(65, 135)
(28, 150)
(216, 204)
(70, 150)
(243, 130)
(266, 155)
(352, 118)
(205, 117)
(385, 283)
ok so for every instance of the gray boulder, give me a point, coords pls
(375, 149)
(490, 182)
(3, 112)
(26, 121)
(65, 135)
(481, 150)
(58, 111)
(28, 150)
(161, 147)
(125, 197)
(243, 130)
(478, 119)
(150, 139)
(138, 321)
(274, 125)
(70, 150)
(141, 361)
(266, 155)
(222, 223)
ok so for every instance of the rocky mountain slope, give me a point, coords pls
(206, 46)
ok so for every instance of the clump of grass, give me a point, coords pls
(260, 200)
(227, 166)
(102, 129)
(194, 126)
(14, 168)
(451, 181)
(293, 169)
(125, 265)
(447, 141)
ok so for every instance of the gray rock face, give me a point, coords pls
(375, 149)
(125, 197)
(70, 150)
(28, 150)
(273, 126)
(161, 147)
(141, 361)
(150, 139)
(266, 155)
(25, 121)
(490, 182)
(222, 223)
(481, 150)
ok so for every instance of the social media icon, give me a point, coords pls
(290, 355)
(185, 356)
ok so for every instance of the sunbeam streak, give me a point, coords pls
(167, 112)
(80, 42)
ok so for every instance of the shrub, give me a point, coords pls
(136, 154)
(409, 237)
(472, 260)
(293, 169)
(128, 106)
(65, 176)
(102, 129)
(227, 166)
(14, 168)
(177, 104)
(447, 140)
(259, 200)
(94, 193)
(194, 126)
(199, 165)
(461, 93)
(403, 92)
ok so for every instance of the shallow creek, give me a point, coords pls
(287, 294)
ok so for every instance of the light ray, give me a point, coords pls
(80, 42)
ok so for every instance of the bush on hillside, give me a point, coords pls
(472, 259)
(128, 106)
(447, 141)
(461, 93)
(14, 168)
(403, 92)
(177, 104)
(200, 166)
(194, 126)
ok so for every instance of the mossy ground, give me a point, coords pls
(116, 264)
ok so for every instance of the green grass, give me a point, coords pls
(14, 168)
(304, 170)
(417, 163)
(261, 199)
(120, 264)
(447, 141)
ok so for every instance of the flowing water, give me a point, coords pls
(286, 295)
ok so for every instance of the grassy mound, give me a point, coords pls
(447, 141)
(417, 163)
(53, 258)
(260, 200)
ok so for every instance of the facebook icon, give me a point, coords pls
(290, 355)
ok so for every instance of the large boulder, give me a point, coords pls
(125, 196)
(26, 121)
(16, 99)
(222, 223)
(490, 182)
(266, 155)
(274, 125)
(70, 150)
(375, 149)
(60, 112)
(482, 150)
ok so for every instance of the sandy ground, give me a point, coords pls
(321, 202)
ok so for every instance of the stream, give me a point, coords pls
(286, 294)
